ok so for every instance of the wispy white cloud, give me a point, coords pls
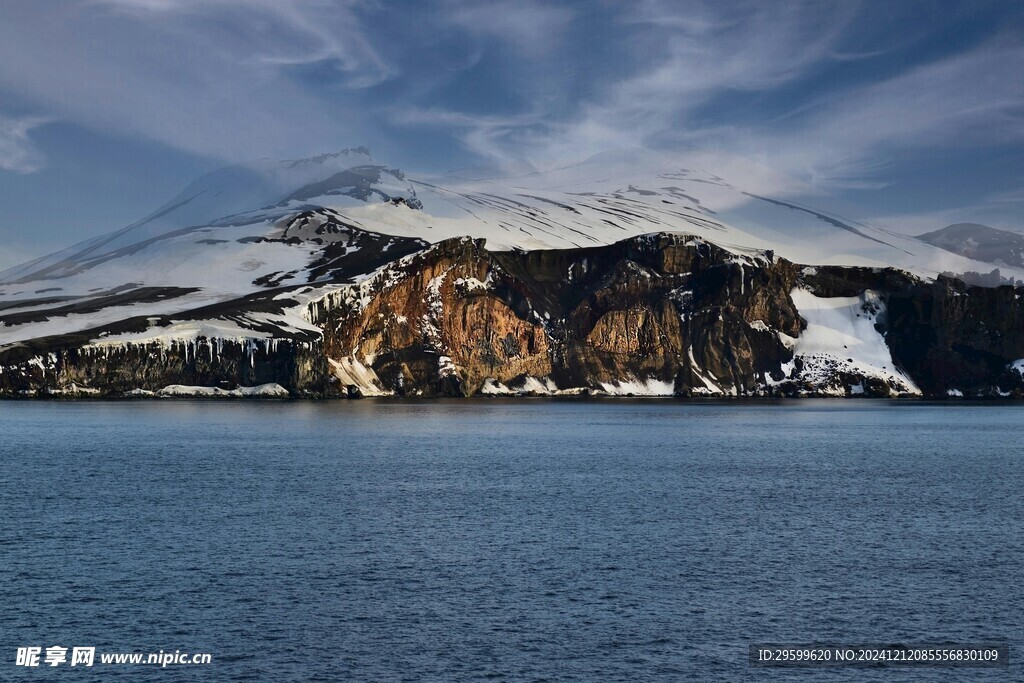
(682, 56)
(210, 78)
(242, 78)
(284, 32)
(533, 28)
(970, 99)
(690, 53)
(1015, 196)
(1001, 210)
(17, 151)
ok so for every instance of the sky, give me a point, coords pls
(912, 111)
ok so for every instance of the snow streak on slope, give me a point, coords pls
(614, 196)
(603, 200)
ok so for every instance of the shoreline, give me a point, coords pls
(576, 397)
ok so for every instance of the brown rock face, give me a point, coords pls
(666, 309)
(433, 327)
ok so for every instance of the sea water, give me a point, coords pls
(518, 540)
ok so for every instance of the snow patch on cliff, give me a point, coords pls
(710, 388)
(271, 390)
(639, 387)
(351, 373)
(543, 386)
(73, 389)
(841, 338)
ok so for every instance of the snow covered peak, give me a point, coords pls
(268, 183)
(248, 230)
(732, 202)
(263, 190)
(320, 159)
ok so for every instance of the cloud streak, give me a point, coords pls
(208, 78)
(682, 56)
(17, 151)
(966, 100)
(285, 32)
(532, 28)
(842, 139)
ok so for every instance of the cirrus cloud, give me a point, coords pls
(17, 151)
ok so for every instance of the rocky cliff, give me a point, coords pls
(660, 314)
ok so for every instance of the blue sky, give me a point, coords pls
(913, 110)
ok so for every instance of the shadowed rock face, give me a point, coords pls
(666, 308)
(664, 314)
(945, 335)
(951, 336)
(120, 370)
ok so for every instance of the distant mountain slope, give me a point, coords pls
(979, 242)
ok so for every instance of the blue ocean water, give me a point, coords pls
(529, 540)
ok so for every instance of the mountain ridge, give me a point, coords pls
(232, 265)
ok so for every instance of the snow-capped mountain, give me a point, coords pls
(980, 243)
(254, 253)
(227, 234)
(600, 201)
(247, 198)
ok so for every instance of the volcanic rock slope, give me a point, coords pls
(340, 276)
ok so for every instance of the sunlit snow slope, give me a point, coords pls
(268, 225)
